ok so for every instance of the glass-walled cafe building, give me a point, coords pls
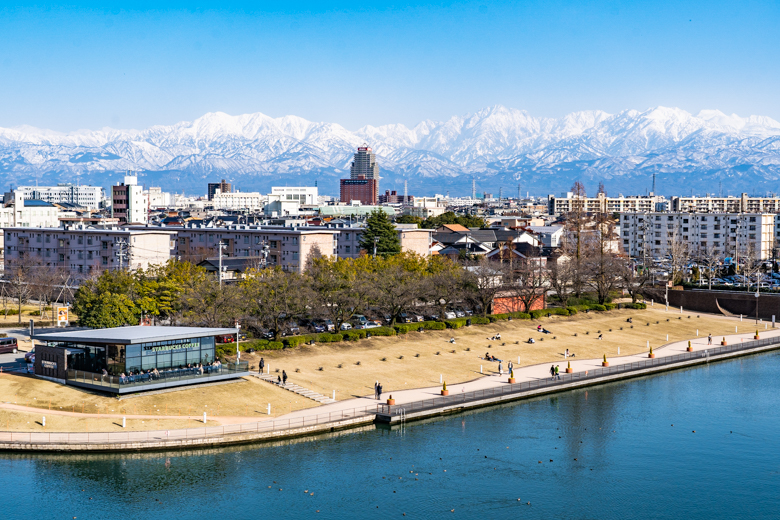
(133, 359)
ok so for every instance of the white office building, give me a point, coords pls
(87, 196)
(238, 200)
(305, 196)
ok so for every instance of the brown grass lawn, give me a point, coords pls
(248, 398)
(408, 361)
(381, 359)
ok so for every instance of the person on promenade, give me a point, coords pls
(376, 390)
(552, 372)
(500, 369)
(557, 375)
(278, 380)
(566, 354)
(379, 392)
(709, 339)
(509, 366)
(284, 377)
(262, 365)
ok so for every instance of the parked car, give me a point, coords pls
(368, 325)
(449, 315)
(419, 318)
(359, 318)
(405, 318)
(319, 327)
(432, 317)
(460, 314)
(8, 345)
(29, 357)
(346, 326)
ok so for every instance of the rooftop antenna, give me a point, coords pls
(500, 194)
(473, 188)
(406, 191)
(654, 193)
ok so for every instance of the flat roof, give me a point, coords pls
(131, 335)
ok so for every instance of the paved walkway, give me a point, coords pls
(530, 373)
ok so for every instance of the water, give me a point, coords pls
(630, 462)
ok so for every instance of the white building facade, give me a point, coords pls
(305, 196)
(654, 234)
(87, 196)
(236, 201)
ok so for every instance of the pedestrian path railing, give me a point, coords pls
(281, 426)
(564, 379)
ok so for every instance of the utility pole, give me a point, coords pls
(376, 239)
(121, 252)
(220, 246)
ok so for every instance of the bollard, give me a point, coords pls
(667, 337)
(518, 360)
(680, 309)
(204, 417)
(269, 408)
(697, 333)
(480, 369)
(765, 326)
(648, 343)
(735, 329)
(618, 351)
(44, 422)
(124, 422)
(740, 317)
(441, 378)
(334, 395)
(652, 302)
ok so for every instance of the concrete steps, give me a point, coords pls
(292, 387)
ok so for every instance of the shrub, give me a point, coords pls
(437, 325)
(610, 306)
(327, 337)
(11, 312)
(497, 317)
(294, 341)
(456, 323)
(354, 335)
(519, 315)
(35, 313)
(572, 311)
(479, 320)
(382, 331)
(637, 305)
(275, 345)
(597, 307)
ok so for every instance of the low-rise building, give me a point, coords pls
(569, 203)
(741, 204)
(87, 196)
(238, 200)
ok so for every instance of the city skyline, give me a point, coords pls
(91, 66)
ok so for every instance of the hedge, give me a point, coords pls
(479, 320)
(403, 328)
(456, 323)
(354, 335)
(381, 331)
(637, 305)
(610, 306)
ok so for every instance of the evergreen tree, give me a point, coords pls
(379, 225)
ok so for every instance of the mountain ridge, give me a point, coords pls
(497, 146)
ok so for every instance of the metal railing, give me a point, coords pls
(563, 379)
(207, 432)
(165, 375)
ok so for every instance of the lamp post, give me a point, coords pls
(238, 338)
(758, 288)
(376, 239)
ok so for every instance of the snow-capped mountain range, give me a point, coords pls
(499, 147)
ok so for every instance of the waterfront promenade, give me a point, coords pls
(354, 412)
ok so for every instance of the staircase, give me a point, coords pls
(292, 387)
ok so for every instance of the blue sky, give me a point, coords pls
(90, 65)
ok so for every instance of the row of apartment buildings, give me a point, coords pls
(569, 203)
(83, 250)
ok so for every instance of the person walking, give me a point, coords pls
(379, 392)
(284, 377)
(262, 365)
(509, 367)
(557, 375)
(552, 371)
(709, 339)
(376, 390)
(500, 369)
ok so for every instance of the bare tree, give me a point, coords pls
(206, 303)
(342, 287)
(710, 259)
(632, 277)
(18, 278)
(274, 297)
(445, 284)
(526, 282)
(398, 283)
(484, 280)
(577, 220)
(603, 265)
(560, 274)
(679, 257)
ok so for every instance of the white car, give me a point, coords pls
(369, 325)
(346, 326)
(450, 315)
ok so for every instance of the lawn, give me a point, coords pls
(419, 359)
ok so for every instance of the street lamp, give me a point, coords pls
(376, 239)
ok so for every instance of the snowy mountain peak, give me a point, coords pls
(496, 142)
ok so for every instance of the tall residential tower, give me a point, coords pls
(363, 182)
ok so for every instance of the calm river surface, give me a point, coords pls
(614, 451)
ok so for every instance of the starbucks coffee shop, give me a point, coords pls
(133, 359)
